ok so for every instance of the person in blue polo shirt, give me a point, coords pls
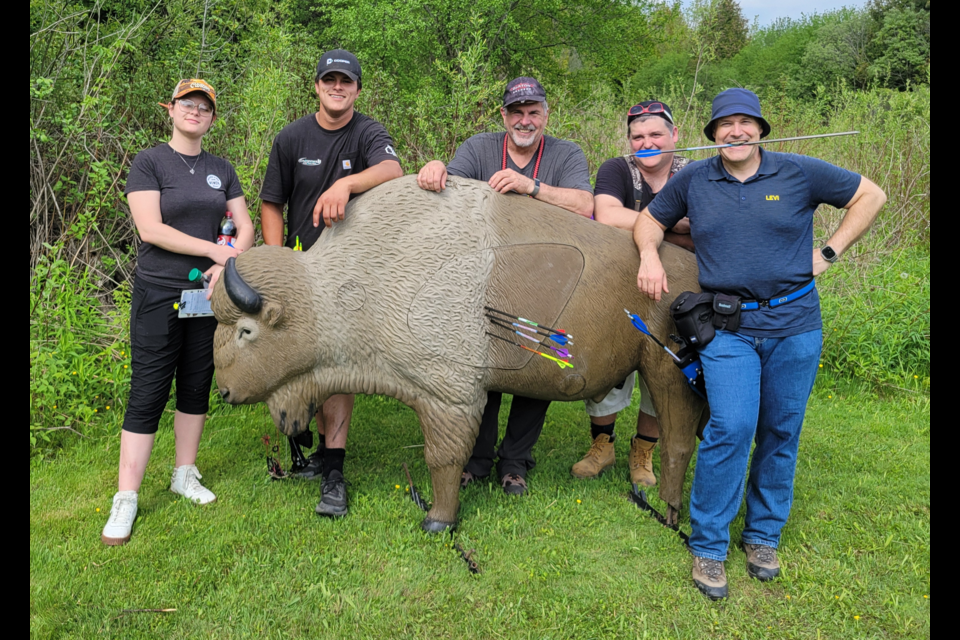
(751, 218)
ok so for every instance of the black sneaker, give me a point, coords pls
(333, 495)
(313, 468)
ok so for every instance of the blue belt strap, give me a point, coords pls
(790, 297)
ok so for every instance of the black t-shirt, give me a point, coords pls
(620, 178)
(307, 159)
(192, 203)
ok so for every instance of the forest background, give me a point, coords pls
(433, 74)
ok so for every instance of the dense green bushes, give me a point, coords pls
(99, 68)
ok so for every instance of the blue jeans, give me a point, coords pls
(758, 390)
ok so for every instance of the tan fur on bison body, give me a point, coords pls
(392, 301)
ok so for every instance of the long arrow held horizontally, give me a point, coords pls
(650, 153)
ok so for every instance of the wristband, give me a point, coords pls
(536, 188)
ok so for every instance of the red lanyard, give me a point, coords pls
(536, 167)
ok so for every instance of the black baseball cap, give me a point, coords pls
(339, 60)
(524, 89)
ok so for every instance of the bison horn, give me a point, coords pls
(242, 294)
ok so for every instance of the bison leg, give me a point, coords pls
(449, 433)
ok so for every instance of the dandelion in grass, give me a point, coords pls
(915, 377)
(578, 500)
(856, 617)
(788, 597)
(98, 511)
(396, 486)
(831, 397)
(95, 411)
(821, 366)
(124, 366)
(108, 407)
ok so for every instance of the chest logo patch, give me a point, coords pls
(213, 181)
(347, 165)
(773, 197)
(309, 163)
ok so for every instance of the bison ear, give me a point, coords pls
(271, 314)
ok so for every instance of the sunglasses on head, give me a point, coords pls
(654, 108)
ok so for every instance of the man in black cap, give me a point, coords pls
(526, 161)
(318, 164)
(751, 214)
(624, 187)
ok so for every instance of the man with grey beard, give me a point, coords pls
(525, 161)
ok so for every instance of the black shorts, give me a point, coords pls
(163, 346)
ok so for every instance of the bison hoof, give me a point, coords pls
(435, 526)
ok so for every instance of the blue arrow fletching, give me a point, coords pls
(648, 153)
(561, 340)
(638, 323)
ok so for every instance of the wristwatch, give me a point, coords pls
(828, 254)
(536, 188)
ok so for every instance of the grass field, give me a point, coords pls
(572, 559)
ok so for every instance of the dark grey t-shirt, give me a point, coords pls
(307, 159)
(562, 165)
(192, 203)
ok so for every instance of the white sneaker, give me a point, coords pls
(186, 482)
(122, 514)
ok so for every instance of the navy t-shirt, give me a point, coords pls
(193, 203)
(755, 239)
(307, 159)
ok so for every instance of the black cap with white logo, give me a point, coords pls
(339, 60)
(524, 89)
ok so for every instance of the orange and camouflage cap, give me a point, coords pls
(189, 86)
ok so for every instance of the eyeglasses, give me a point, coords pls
(202, 108)
(654, 108)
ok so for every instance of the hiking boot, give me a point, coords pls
(710, 577)
(333, 495)
(641, 462)
(122, 514)
(762, 562)
(313, 468)
(599, 458)
(186, 482)
(513, 484)
(466, 478)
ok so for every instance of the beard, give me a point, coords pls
(523, 143)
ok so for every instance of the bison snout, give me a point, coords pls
(225, 394)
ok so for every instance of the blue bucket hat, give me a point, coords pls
(732, 102)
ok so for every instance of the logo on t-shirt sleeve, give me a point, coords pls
(390, 150)
(213, 181)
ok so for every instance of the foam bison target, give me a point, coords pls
(391, 301)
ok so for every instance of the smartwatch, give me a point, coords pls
(536, 188)
(828, 254)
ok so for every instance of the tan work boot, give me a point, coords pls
(762, 562)
(641, 462)
(710, 577)
(599, 458)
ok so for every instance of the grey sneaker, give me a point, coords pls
(122, 514)
(710, 577)
(333, 495)
(762, 562)
(186, 482)
(313, 468)
(513, 484)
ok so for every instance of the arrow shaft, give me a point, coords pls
(649, 153)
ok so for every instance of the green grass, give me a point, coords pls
(573, 559)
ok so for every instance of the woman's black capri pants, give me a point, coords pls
(163, 345)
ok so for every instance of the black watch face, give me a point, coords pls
(828, 254)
